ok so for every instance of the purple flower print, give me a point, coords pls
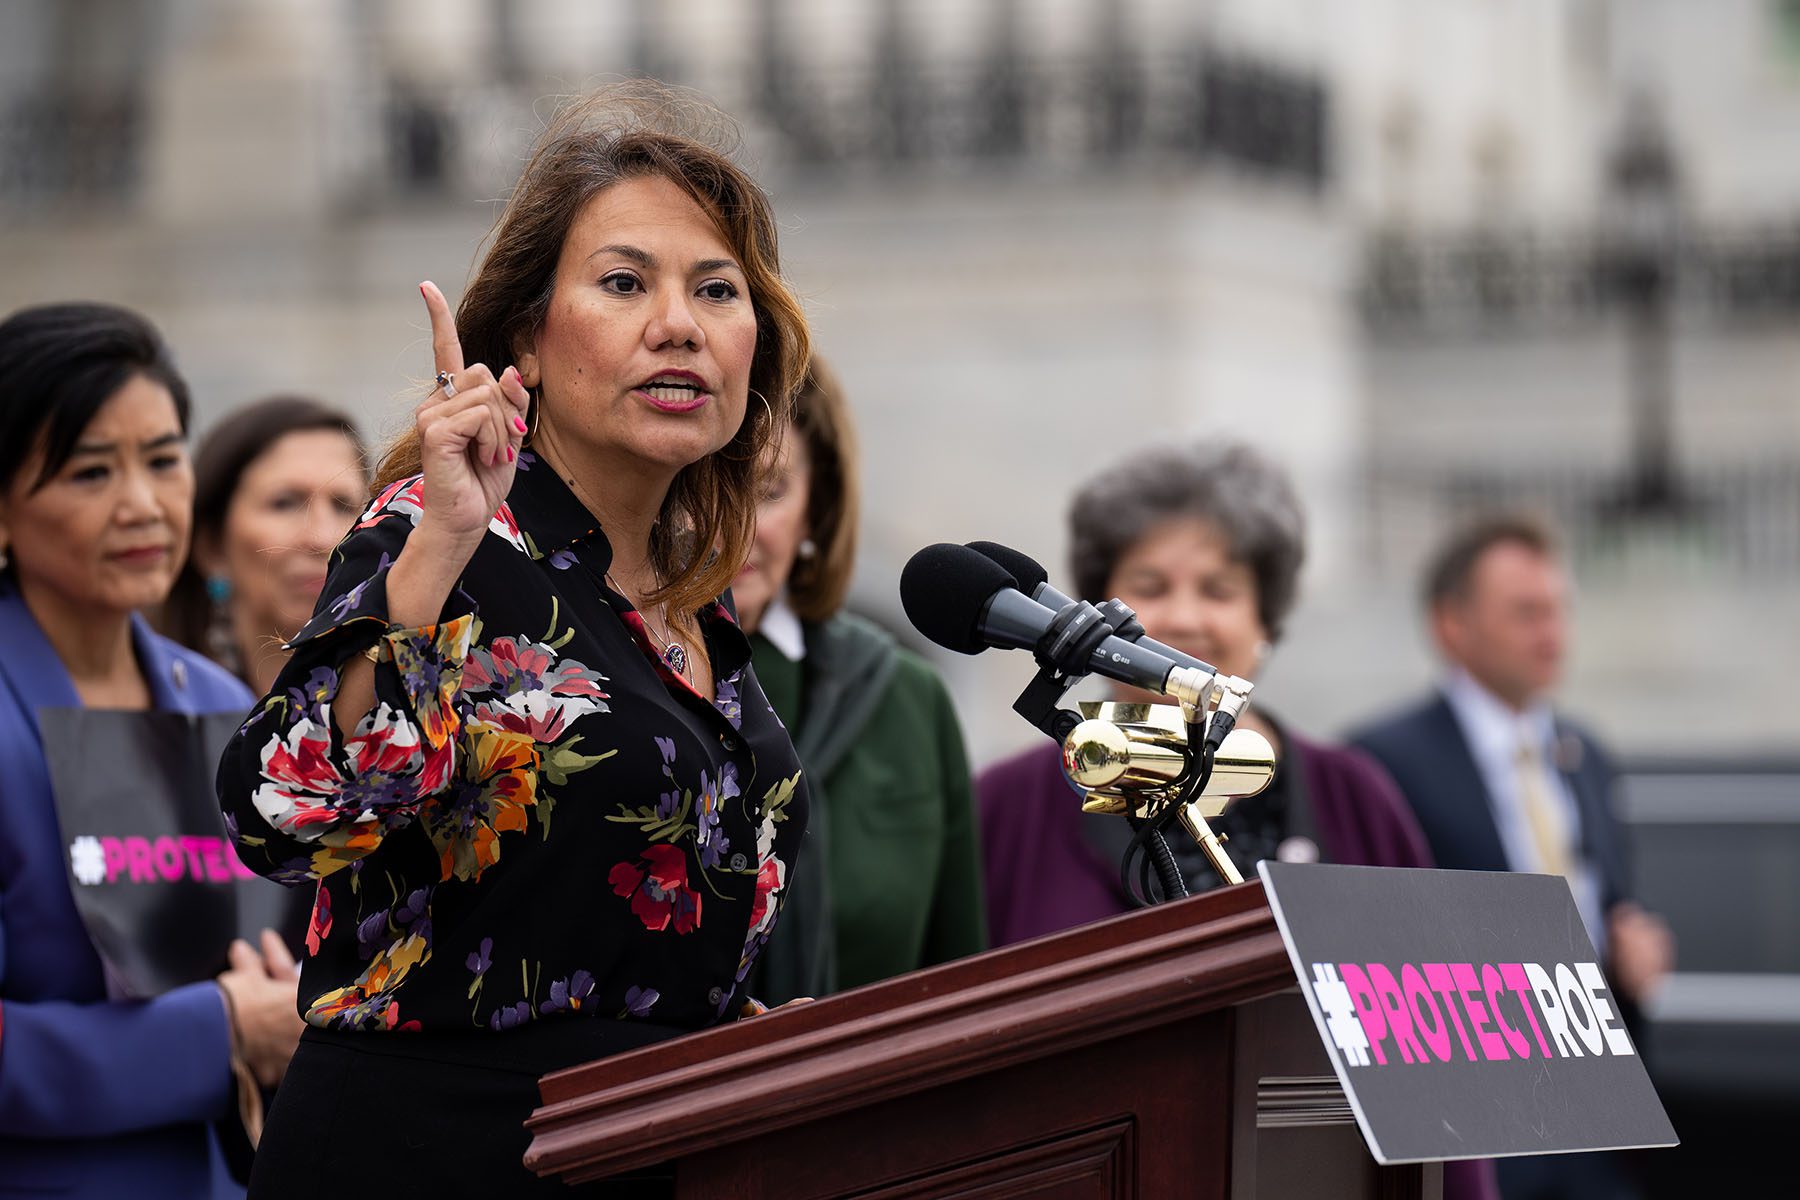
(375, 790)
(709, 837)
(414, 907)
(639, 1001)
(562, 560)
(725, 699)
(312, 696)
(667, 802)
(510, 1016)
(371, 934)
(347, 603)
(569, 994)
(480, 960)
(373, 931)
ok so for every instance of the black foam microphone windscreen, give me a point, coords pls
(1026, 571)
(944, 589)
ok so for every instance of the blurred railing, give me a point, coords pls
(1737, 520)
(1715, 845)
(1715, 850)
(1498, 280)
(1198, 106)
(388, 140)
(1085, 113)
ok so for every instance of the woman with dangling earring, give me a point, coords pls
(519, 745)
(893, 819)
(276, 485)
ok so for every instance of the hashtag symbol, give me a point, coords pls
(87, 860)
(1340, 1015)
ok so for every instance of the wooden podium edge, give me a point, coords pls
(866, 1046)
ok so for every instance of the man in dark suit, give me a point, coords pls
(1500, 781)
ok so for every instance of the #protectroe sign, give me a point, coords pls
(155, 878)
(1464, 1011)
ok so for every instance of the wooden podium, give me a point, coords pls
(1164, 1054)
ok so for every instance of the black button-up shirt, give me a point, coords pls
(538, 819)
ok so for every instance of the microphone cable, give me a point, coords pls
(1149, 849)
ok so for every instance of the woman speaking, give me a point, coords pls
(551, 813)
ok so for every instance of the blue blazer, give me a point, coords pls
(1423, 748)
(98, 1097)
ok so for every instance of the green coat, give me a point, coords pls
(889, 879)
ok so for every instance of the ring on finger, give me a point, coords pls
(445, 382)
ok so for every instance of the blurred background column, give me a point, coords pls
(1645, 225)
(235, 114)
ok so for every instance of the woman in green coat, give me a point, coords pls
(892, 880)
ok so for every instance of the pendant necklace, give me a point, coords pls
(674, 654)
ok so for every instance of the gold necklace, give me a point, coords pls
(674, 654)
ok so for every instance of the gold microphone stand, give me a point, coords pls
(1135, 759)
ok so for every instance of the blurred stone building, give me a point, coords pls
(1421, 249)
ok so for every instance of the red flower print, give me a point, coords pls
(657, 885)
(507, 526)
(519, 685)
(319, 928)
(403, 496)
(768, 878)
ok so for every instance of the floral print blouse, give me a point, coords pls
(537, 819)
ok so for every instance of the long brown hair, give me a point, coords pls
(624, 132)
(817, 585)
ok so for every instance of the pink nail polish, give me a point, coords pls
(509, 454)
(519, 424)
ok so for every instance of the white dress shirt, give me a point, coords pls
(1494, 731)
(781, 625)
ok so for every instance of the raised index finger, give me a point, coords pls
(446, 347)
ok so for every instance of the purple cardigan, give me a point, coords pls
(1043, 875)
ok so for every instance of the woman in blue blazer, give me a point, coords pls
(101, 1096)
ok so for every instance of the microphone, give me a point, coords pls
(1033, 579)
(1028, 573)
(965, 601)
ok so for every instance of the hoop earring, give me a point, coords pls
(770, 413)
(537, 411)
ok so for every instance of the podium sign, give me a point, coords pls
(1464, 1011)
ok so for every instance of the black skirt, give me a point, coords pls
(418, 1114)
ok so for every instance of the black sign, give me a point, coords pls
(1465, 1012)
(155, 878)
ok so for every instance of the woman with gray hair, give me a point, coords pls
(1205, 542)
